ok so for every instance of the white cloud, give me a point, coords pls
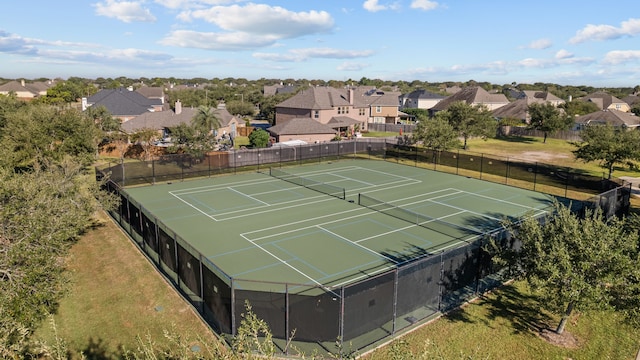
(590, 32)
(217, 41)
(193, 4)
(264, 19)
(373, 6)
(539, 44)
(621, 56)
(563, 54)
(125, 11)
(248, 27)
(351, 66)
(424, 5)
(298, 55)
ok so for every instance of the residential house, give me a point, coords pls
(519, 109)
(613, 117)
(302, 129)
(382, 106)
(420, 99)
(163, 120)
(605, 101)
(473, 96)
(122, 103)
(545, 96)
(24, 90)
(632, 100)
(271, 90)
(322, 104)
(152, 92)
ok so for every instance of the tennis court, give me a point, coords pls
(268, 230)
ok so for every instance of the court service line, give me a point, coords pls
(500, 200)
(291, 266)
(271, 209)
(249, 196)
(198, 189)
(357, 244)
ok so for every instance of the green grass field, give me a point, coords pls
(117, 295)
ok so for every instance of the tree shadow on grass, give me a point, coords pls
(521, 310)
(97, 349)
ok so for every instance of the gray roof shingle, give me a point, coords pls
(300, 126)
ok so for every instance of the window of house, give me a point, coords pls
(378, 109)
(316, 114)
(361, 112)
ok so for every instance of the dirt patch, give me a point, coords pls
(565, 340)
(541, 156)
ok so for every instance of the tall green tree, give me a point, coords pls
(205, 120)
(436, 134)
(574, 263)
(548, 119)
(471, 121)
(608, 145)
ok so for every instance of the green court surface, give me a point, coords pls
(260, 228)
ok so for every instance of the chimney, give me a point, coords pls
(84, 103)
(178, 107)
(22, 82)
(350, 96)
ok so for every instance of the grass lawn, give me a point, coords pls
(509, 324)
(554, 151)
(116, 295)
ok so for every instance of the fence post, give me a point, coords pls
(535, 176)
(506, 175)
(233, 307)
(395, 300)
(458, 162)
(481, 163)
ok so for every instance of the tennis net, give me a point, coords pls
(324, 188)
(428, 222)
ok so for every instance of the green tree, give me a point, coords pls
(574, 263)
(37, 132)
(241, 108)
(470, 121)
(145, 137)
(608, 145)
(548, 119)
(259, 138)
(186, 139)
(578, 108)
(205, 120)
(436, 134)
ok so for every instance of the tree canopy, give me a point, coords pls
(548, 119)
(608, 145)
(436, 134)
(575, 263)
(259, 138)
(469, 121)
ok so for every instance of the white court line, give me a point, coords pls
(249, 196)
(194, 207)
(500, 200)
(356, 243)
(289, 265)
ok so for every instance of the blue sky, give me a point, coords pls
(565, 42)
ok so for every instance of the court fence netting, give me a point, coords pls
(352, 316)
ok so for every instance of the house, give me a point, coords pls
(613, 117)
(473, 96)
(605, 101)
(420, 99)
(302, 129)
(519, 109)
(152, 92)
(322, 104)
(24, 90)
(163, 120)
(632, 100)
(271, 90)
(122, 103)
(382, 106)
(545, 96)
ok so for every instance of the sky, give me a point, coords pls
(566, 42)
